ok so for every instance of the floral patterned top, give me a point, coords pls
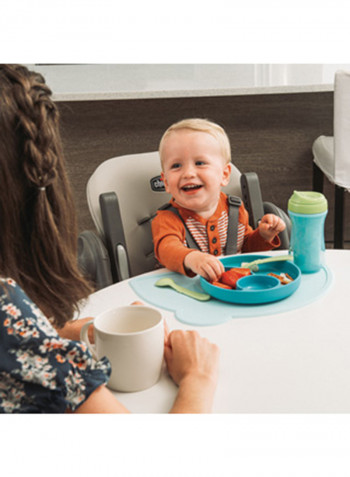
(39, 371)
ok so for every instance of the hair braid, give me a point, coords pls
(36, 116)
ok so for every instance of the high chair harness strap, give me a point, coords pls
(232, 229)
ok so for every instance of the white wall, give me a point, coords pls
(297, 75)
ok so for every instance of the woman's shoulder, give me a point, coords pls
(10, 289)
(17, 309)
(39, 370)
(6, 282)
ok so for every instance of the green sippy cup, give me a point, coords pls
(307, 211)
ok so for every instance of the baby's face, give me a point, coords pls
(194, 170)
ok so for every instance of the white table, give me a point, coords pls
(293, 362)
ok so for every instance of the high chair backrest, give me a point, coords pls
(135, 179)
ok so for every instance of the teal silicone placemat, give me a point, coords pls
(214, 312)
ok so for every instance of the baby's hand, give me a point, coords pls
(204, 264)
(270, 226)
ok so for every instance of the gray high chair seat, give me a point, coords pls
(123, 196)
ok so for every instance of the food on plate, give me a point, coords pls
(284, 278)
(230, 277)
(221, 285)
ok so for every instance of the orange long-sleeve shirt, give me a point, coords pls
(169, 234)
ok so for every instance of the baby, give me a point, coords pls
(196, 163)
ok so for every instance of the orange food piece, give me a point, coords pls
(242, 271)
(284, 278)
(276, 276)
(221, 285)
(231, 276)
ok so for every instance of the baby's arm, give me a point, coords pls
(204, 264)
(169, 242)
(168, 237)
(271, 225)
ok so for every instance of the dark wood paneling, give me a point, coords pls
(269, 134)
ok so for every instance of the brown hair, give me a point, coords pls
(38, 239)
(201, 125)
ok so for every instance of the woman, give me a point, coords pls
(41, 368)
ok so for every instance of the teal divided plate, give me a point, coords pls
(255, 296)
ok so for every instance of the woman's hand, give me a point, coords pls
(188, 354)
(193, 363)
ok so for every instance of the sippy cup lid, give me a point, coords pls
(307, 202)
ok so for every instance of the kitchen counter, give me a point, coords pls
(146, 81)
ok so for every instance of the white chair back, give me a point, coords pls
(342, 129)
(332, 153)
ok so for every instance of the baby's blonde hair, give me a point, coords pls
(202, 125)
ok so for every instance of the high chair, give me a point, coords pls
(332, 154)
(123, 195)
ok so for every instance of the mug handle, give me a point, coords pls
(84, 337)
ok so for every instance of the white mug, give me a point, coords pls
(132, 338)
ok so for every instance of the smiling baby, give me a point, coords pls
(196, 163)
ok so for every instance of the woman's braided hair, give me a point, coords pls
(38, 239)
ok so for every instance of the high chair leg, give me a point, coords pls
(317, 179)
(338, 217)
